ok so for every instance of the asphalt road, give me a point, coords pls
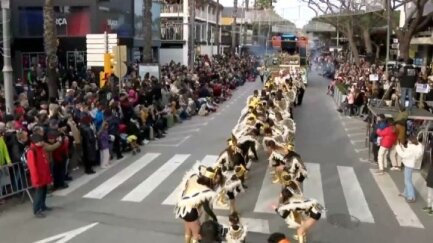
(132, 201)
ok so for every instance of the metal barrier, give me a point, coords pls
(14, 179)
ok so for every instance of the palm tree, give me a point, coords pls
(234, 34)
(50, 45)
(191, 37)
(247, 3)
(147, 31)
(218, 27)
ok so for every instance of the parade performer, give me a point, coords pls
(298, 212)
(284, 158)
(236, 232)
(232, 187)
(198, 191)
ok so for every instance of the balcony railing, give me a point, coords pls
(172, 32)
(172, 8)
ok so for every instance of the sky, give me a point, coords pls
(293, 10)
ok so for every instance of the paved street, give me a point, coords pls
(132, 201)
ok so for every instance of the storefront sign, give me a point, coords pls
(61, 21)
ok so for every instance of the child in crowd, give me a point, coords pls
(104, 145)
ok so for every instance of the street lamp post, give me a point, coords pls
(7, 66)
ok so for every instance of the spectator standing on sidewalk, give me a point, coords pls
(388, 138)
(412, 156)
(88, 141)
(429, 181)
(40, 174)
(375, 140)
(408, 78)
(104, 145)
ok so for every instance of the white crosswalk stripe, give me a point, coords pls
(146, 187)
(312, 186)
(404, 214)
(267, 197)
(115, 181)
(355, 199)
(208, 160)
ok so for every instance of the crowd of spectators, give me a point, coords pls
(393, 140)
(88, 126)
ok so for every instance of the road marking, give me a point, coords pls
(356, 134)
(352, 122)
(357, 141)
(253, 225)
(153, 181)
(208, 160)
(361, 150)
(402, 211)
(67, 236)
(181, 141)
(84, 179)
(353, 128)
(268, 195)
(191, 125)
(312, 186)
(185, 131)
(363, 160)
(115, 181)
(420, 185)
(355, 200)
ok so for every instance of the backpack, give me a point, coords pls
(23, 158)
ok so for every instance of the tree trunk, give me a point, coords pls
(367, 41)
(147, 31)
(217, 41)
(50, 45)
(352, 44)
(377, 50)
(191, 39)
(234, 34)
(404, 45)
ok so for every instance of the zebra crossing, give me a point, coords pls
(352, 190)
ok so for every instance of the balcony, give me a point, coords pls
(200, 14)
(172, 32)
(172, 9)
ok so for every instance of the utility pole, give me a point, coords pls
(7, 66)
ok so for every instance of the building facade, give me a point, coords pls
(175, 27)
(75, 19)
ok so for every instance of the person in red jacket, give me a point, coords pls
(388, 138)
(40, 174)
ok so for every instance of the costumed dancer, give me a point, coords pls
(232, 187)
(196, 195)
(236, 232)
(298, 212)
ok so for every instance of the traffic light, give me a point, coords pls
(108, 63)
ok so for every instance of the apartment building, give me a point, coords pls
(175, 27)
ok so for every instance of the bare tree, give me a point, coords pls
(147, 31)
(338, 13)
(50, 45)
(415, 22)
